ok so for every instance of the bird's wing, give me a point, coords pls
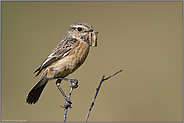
(62, 50)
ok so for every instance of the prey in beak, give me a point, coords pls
(93, 38)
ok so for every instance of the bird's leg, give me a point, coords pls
(68, 101)
(74, 82)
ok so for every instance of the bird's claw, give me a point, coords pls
(74, 83)
(67, 104)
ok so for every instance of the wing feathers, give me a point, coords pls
(61, 50)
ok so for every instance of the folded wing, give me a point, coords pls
(61, 50)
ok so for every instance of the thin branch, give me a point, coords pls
(97, 90)
(66, 107)
(74, 84)
(112, 75)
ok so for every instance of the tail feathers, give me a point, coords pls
(36, 91)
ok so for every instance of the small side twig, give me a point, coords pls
(97, 90)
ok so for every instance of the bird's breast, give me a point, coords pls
(78, 55)
(71, 62)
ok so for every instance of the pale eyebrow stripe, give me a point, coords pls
(82, 26)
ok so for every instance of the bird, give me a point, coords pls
(69, 54)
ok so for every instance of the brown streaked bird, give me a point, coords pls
(68, 55)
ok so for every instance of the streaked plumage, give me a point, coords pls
(68, 55)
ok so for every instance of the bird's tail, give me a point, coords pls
(36, 91)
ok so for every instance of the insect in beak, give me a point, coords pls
(93, 38)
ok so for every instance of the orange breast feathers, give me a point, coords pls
(70, 63)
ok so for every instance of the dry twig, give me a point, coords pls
(74, 84)
(97, 90)
(67, 105)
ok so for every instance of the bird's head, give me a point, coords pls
(83, 32)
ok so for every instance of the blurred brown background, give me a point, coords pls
(144, 39)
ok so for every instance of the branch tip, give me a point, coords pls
(97, 90)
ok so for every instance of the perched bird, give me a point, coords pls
(68, 55)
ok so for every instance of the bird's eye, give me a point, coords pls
(79, 29)
(91, 30)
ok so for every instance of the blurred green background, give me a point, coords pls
(144, 39)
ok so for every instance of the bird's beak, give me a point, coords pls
(93, 38)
